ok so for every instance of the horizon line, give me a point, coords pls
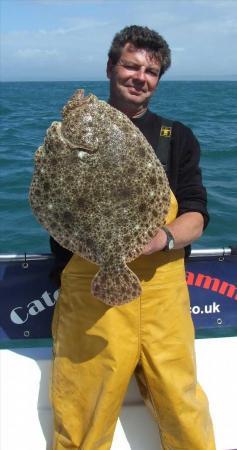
(107, 81)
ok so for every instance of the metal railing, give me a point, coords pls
(220, 251)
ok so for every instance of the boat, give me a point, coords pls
(28, 297)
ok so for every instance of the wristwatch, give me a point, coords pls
(170, 239)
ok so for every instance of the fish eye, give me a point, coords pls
(83, 152)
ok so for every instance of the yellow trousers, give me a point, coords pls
(97, 348)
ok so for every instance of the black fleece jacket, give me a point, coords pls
(183, 170)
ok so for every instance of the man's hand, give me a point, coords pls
(186, 228)
(156, 244)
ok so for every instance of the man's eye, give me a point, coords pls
(130, 67)
(153, 73)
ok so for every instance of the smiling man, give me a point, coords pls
(133, 79)
(98, 347)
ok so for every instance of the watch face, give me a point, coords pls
(171, 244)
(170, 240)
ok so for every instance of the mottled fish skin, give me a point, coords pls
(100, 191)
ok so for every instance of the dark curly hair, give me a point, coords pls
(141, 37)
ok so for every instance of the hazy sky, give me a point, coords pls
(69, 39)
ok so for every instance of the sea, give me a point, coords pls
(28, 108)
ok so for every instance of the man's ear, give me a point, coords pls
(109, 68)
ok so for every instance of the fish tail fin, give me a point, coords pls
(116, 286)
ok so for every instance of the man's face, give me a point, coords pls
(135, 76)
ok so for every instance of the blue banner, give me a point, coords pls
(213, 295)
(28, 296)
(27, 299)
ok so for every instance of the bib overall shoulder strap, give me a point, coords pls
(163, 147)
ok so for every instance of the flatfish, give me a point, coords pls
(100, 191)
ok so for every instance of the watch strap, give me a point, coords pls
(170, 239)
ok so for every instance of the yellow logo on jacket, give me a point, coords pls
(165, 131)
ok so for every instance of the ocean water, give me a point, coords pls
(27, 110)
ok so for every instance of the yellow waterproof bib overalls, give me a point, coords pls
(98, 347)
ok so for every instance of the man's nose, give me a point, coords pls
(140, 74)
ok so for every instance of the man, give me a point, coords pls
(97, 347)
